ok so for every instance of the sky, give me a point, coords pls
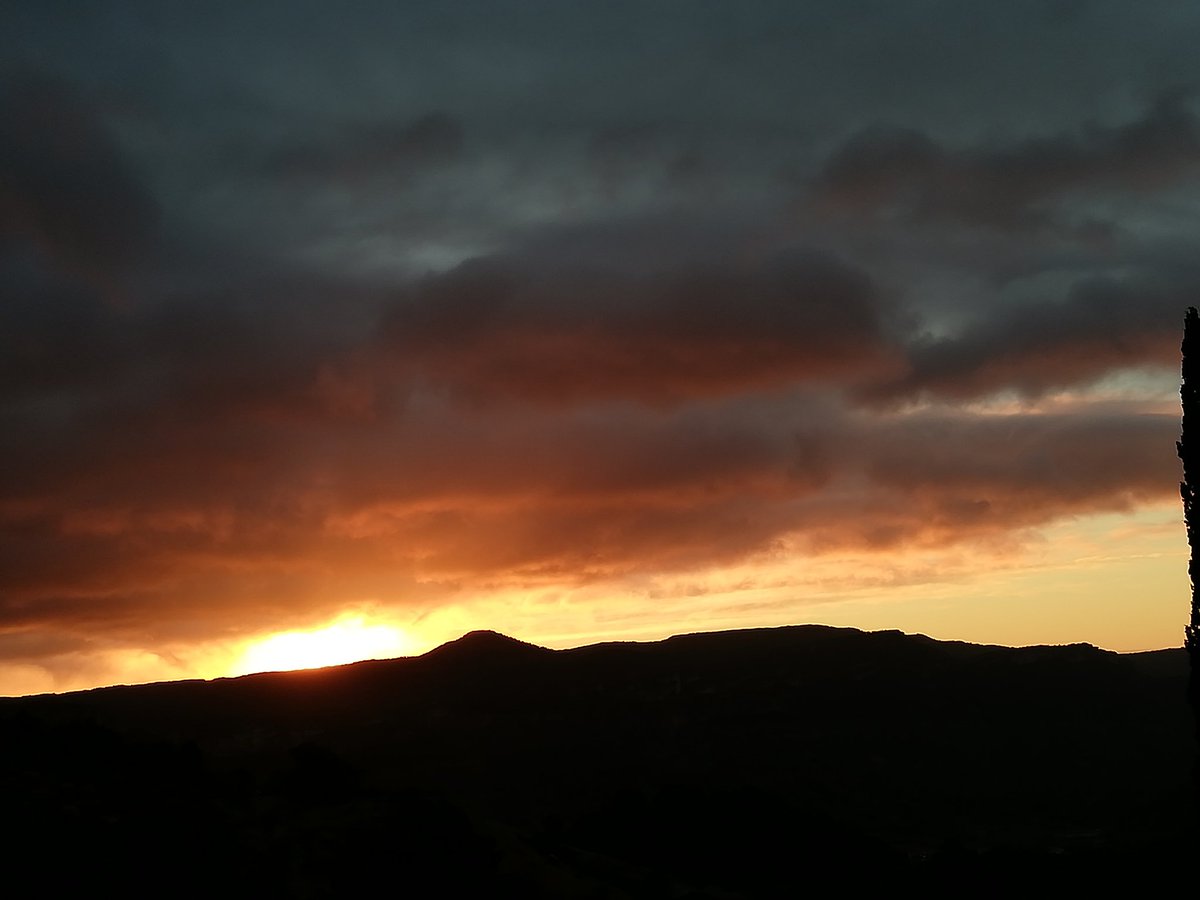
(587, 321)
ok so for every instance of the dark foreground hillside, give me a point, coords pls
(762, 763)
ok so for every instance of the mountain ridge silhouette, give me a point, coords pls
(715, 760)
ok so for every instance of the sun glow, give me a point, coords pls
(349, 639)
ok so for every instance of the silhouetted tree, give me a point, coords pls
(1189, 452)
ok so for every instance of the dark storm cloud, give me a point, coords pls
(203, 332)
(54, 332)
(1059, 456)
(991, 474)
(908, 171)
(400, 149)
(1100, 326)
(490, 329)
(64, 184)
(645, 152)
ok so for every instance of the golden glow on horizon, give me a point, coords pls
(349, 639)
(1117, 580)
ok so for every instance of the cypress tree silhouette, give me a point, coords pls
(1188, 448)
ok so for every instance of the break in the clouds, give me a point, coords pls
(308, 303)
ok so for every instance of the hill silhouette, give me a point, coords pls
(733, 764)
(485, 650)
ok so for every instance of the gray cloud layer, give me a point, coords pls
(303, 301)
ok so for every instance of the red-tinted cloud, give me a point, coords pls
(226, 528)
(491, 330)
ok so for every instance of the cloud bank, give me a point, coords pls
(279, 336)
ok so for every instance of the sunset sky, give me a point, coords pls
(584, 321)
